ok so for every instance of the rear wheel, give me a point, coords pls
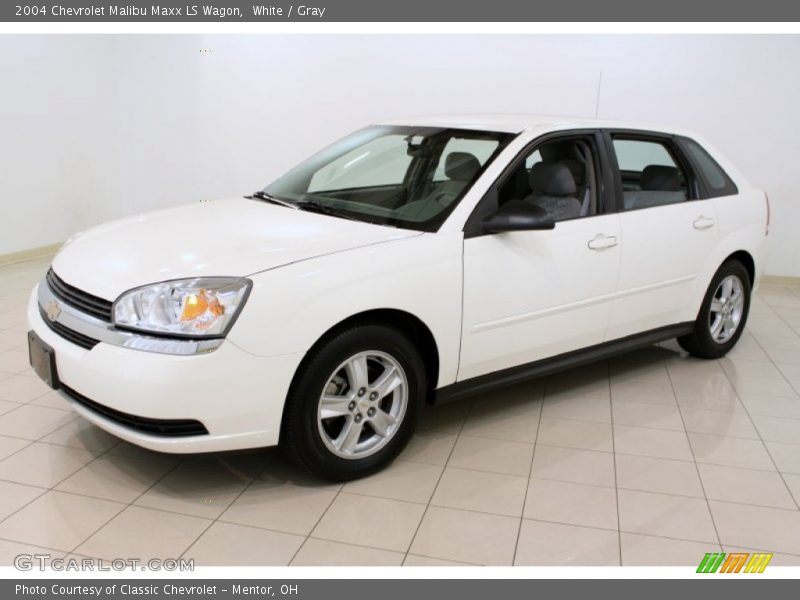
(723, 315)
(354, 404)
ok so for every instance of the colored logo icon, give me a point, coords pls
(734, 562)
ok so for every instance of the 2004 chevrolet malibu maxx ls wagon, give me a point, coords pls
(407, 262)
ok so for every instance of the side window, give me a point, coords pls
(560, 176)
(716, 179)
(650, 174)
(533, 158)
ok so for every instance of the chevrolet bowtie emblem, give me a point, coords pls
(52, 310)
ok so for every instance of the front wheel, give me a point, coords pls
(723, 314)
(354, 403)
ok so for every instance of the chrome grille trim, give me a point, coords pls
(68, 334)
(96, 307)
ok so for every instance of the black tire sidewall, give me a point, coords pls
(300, 434)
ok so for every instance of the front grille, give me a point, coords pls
(159, 427)
(92, 305)
(84, 341)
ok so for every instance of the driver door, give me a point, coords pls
(530, 295)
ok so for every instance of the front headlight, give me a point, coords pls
(198, 308)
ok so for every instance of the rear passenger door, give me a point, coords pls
(666, 231)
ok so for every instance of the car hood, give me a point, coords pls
(236, 237)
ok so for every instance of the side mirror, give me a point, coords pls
(517, 215)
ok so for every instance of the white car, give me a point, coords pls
(409, 262)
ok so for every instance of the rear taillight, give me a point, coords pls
(766, 229)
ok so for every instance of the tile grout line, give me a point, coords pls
(132, 503)
(418, 554)
(772, 362)
(650, 427)
(591, 527)
(46, 489)
(530, 471)
(694, 458)
(459, 468)
(667, 458)
(316, 524)
(439, 480)
(59, 482)
(40, 440)
(30, 443)
(126, 506)
(224, 509)
(110, 452)
(27, 403)
(28, 544)
(758, 431)
(323, 539)
(412, 503)
(614, 462)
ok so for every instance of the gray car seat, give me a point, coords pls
(582, 190)
(574, 155)
(659, 185)
(460, 168)
(553, 189)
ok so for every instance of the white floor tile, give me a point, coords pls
(554, 544)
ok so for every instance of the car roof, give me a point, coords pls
(517, 123)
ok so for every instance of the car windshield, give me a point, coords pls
(409, 177)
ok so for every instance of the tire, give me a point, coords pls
(348, 369)
(707, 342)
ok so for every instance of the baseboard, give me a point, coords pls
(780, 280)
(23, 255)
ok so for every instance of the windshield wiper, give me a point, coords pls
(262, 195)
(308, 205)
(323, 209)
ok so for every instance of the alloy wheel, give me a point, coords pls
(727, 307)
(362, 404)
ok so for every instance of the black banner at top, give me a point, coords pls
(242, 11)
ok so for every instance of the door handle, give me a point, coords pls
(601, 242)
(703, 222)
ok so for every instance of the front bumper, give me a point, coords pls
(238, 397)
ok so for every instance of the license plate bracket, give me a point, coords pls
(43, 360)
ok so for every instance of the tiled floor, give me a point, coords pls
(651, 458)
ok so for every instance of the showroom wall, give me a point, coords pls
(56, 170)
(95, 127)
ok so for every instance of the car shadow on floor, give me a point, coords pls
(501, 413)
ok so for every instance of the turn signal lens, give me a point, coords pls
(198, 307)
(194, 306)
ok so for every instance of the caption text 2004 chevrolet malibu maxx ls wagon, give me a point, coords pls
(407, 262)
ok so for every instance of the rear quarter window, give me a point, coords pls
(715, 178)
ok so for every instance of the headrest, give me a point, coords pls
(576, 167)
(660, 178)
(461, 166)
(552, 179)
(557, 151)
